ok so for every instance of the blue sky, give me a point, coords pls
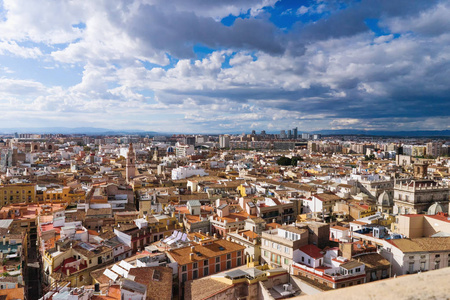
(225, 66)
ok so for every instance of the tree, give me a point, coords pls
(284, 161)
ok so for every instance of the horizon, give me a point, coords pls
(218, 67)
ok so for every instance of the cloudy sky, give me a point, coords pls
(225, 66)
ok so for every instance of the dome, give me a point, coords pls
(434, 209)
(385, 200)
(170, 150)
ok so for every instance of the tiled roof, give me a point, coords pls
(426, 244)
(312, 251)
(182, 255)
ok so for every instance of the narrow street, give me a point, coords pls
(32, 273)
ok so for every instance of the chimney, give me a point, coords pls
(191, 256)
(215, 235)
(192, 249)
(274, 220)
(207, 234)
(67, 272)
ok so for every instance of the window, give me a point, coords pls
(217, 259)
(266, 243)
(436, 264)
(217, 268)
(239, 261)
(205, 262)
(422, 265)
(303, 259)
(183, 277)
(286, 250)
(239, 253)
(206, 271)
(437, 256)
(195, 274)
(286, 261)
(228, 256)
(278, 247)
(267, 255)
(357, 269)
(183, 268)
(195, 265)
(411, 267)
(309, 261)
(228, 264)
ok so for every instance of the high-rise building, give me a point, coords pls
(434, 149)
(289, 134)
(305, 136)
(317, 136)
(295, 130)
(282, 134)
(190, 140)
(224, 141)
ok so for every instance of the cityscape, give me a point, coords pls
(222, 150)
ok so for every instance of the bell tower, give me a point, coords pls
(131, 163)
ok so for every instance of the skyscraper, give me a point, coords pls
(295, 130)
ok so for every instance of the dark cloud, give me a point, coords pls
(177, 32)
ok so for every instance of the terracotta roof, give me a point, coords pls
(195, 289)
(312, 250)
(157, 279)
(374, 261)
(182, 255)
(427, 244)
(340, 227)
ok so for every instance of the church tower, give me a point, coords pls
(131, 163)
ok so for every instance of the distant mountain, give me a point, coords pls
(418, 133)
(77, 130)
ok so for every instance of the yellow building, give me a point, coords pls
(62, 194)
(418, 151)
(17, 193)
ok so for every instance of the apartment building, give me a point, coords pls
(17, 193)
(209, 256)
(279, 246)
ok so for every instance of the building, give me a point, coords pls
(244, 283)
(413, 196)
(208, 256)
(416, 226)
(409, 256)
(327, 269)
(187, 171)
(17, 193)
(434, 149)
(183, 150)
(279, 247)
(224, 141)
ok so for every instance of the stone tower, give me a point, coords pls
(420, 170)
(131, 163)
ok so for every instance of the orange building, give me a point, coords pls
(209, 256)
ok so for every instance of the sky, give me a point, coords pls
(203, 66)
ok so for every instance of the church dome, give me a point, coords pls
(385, 200)
(434, 209)
(170, 150)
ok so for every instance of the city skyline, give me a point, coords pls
(217, 67)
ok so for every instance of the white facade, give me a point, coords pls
(187, 171)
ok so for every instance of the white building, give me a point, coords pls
(224, 141)
(187, 171)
